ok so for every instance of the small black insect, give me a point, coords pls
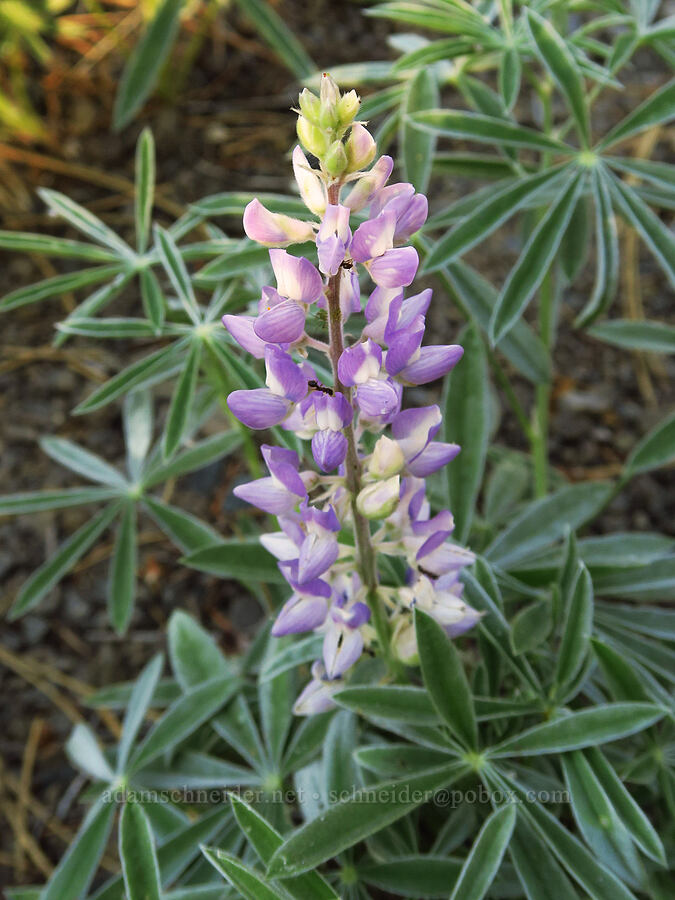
(347, 264)
(315, 386)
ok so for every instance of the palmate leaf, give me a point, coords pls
(181, 402)
(535, 260)
(59, 284)
(645, 335)
(147, 59)
(185, 530)
(195, 656)
(249, 884)
(86, 222)
(577, 630)
(177, 271)
(84, 753)
(656, 449)
(40, 501)
(485, 129)
(141, 697)
(46, 245)
(245, 560)
(122, 577)
(657, 108)
(82, 461)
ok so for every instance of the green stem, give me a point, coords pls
(364, 547)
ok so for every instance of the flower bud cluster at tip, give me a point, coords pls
(396, 448)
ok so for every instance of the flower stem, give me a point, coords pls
(364, 547)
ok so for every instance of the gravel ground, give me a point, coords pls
(228, 131)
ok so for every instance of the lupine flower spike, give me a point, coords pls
(362, 503)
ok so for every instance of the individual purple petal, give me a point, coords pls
(395, 268)
(280, 545)
(333, 238)
(446, 558)
(267, 494)
(395, 197)
(283, 465)
(274, 229)
(259, 408)
(284, 377)
(317, 696)
(281, 324)
(302, 612)
(317, 555)
(361, 147)
(377, 397)
(329, 449)
(341, 648)
(414, 428)
(242, 329)
(369, 184)
(310, 185)
(296, 277)
(383, 305)
(432, 363)
(403, 347)
(359, 363)
(373, 238)
(402, 316)
(325, 519)
(412, 219)
(433, 458)
(357, 615)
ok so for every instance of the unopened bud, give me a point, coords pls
(311, 137)
(310, 106)
(348, 107)
(404, 641)
(361, 148)
(335, 161)
(377, 501)
(330, 92)
(387, 458)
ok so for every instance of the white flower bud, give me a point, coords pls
(378, 500)
(311, 137)
(404, 641)
(387, 458)
(348, 107)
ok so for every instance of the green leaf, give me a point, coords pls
(84, 753)
(196, 456)
(606, 250)
(472, 165)
(657, 108)
(483, 129)
(82, 461)
(183, 718)
(486, 855)
(417, 147)
(249, 884)
(535, 260)
(477, 297)
(537, 868)
(138, 855)
(597, 821)
(510, 71)
(623, 682)
(242, 560)
(233, 203)
(291, 656)
(633, 334)
(397, 702)
(238, 262)
(194, 654)
(274, 31)
(154, 303)
(656, 449)
(137, 417)
(577, 631)
(237, 726)
(660, 174)
(560, 62)
(52, 571)
(531, 626)
(577, 730)
(445, 679)
(653, 581)
(487, 216)
(77, 867)
(59, 284)
(265, 840)
(350, 821)
(275, 702)
(186, 531)
(47, 245)
(628, 811)
(651, 229)
(146, 371)
(39, 501)
(413, 876)
(181, 401)
(576, 241)
(141, 697)
(467, 422)
(177, 271)
(191, 769)
(145, 187)
(110, 328)
(546, 520)
(397, 760)
(122, 578)
(146, 62)
(85, 221)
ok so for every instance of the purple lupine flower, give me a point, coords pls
(384, 479)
